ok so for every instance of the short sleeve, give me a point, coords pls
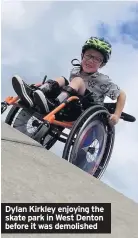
(113, 91)
(75, 72)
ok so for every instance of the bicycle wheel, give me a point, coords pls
(27, 122)
(90, 142)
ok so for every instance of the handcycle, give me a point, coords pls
(90, 139)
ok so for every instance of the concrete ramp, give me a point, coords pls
(32, 174)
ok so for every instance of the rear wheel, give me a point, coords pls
(90, 143)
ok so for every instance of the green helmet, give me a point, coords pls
(100, 44)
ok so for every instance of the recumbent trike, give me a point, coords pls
(90, 138)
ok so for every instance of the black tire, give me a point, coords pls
(27, 122)
(96, 114)
(11, 114)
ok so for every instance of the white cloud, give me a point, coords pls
(87, 17)
(77, 21)
(21, 14)
(13, 13)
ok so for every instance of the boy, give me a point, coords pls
(83, 79)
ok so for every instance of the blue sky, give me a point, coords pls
(41, 38)
(123, 31)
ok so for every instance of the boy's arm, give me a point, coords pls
(115, 93)
(120, 103)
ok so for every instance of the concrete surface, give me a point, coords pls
(31, 174)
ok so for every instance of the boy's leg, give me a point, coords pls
(29, 96)
(26, 93)
(67, 90)
(44, 96)
(75, 88)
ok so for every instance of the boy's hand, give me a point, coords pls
(114, 119)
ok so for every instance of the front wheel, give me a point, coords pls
(23, 120)
(27, 122)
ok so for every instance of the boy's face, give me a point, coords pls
(92, 60)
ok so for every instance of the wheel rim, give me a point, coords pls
(25, 122)
(89, 147)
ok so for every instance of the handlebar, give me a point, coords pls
(127, 117)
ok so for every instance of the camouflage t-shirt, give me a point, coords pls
(99, 84)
